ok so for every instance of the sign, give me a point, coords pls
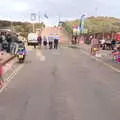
(33, 16)
(82, 22)
(46, 16)
(76, 30)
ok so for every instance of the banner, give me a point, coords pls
(82, 22)
(33, 16)
(46, 16)
(76, 30)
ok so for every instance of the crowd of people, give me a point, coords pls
(50, 41)
(99, 44)
(5, 41)
(9, 42)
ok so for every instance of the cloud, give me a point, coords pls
(109, 3)
(19, 6)
(72, 9)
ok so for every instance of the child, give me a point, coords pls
(116, 54)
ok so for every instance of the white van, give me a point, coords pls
(32, 39)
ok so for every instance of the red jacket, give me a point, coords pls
(39, 39)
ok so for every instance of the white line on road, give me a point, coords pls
(104, 63)
(11, 77)
(40, 55)
(108, 65)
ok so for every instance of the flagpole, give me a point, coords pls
(59, 18)
(11, 26)
(33, 19)
(33, 27)
(82, 20)
(39, 17)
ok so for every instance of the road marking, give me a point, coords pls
(8, 67)
(42, 58)
(7, 81)
(104, 63)
(56, 53)
(108, 65)
(40, 55)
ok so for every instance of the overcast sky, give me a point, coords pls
(67, 9)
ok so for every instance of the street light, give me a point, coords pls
(33, 19)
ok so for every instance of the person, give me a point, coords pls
(113, 44)
(39, 39)
(56, 40)
(50, 39)
(76, 37)
(1, 78)
(3, 36)
(116, 54)
(94, 45)
(103, 44)
(45, 42)
(108, 44)
(22, 50)
(9, 40)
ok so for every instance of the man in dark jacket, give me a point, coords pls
(39, 39)
(9, 40)
(56, 42)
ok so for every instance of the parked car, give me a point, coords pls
(32, 39)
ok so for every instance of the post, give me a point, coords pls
(33, 27)
(11, 26)
(39, 17)
(59, 18)
(33, 19)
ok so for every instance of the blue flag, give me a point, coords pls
(82, 22)
(46, 16)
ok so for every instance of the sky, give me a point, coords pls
(20, 10)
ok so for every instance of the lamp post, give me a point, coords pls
(11, 26)
(33, 19)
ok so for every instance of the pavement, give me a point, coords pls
(66, 85)
(9, 63)
(5, 57)
(105, 55)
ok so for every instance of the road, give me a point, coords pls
(62, 85)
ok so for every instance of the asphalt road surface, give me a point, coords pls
(62, 85)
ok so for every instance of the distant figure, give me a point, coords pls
(39, 39)
(9, 40)
(94, 46)
(108, 44)
(56, 42)
(103, 44)
(113, 44)
(45, 42)
(3, 36)
(50, 40)
(76, 39)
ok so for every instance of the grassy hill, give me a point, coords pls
(96, 24)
